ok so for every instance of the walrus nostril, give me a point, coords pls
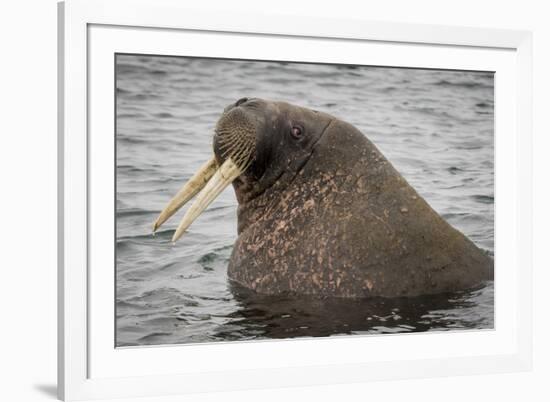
(234, 105)
(241, 101)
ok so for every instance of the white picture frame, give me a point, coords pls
(90, 32)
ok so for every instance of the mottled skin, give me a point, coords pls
(327, 214)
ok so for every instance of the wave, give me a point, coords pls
(134, 212)
(214, 255)
(462, 84)
(161, 234)
(153, 336)
(454, 170)
(164, 115)
(485, 199)
(131, 140)
(129, 68)
(130, 116)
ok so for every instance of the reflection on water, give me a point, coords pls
(278, 317)
(435, 126)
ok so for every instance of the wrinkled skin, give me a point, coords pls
(325, 213)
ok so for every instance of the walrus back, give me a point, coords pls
(397, 244)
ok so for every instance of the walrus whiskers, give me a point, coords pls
(236, 139)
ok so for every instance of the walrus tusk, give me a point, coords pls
(227, 172)
(188, 191)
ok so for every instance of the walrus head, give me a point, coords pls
(257, 144)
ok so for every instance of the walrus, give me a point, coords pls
(322, 212)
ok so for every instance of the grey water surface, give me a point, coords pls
(436, 127)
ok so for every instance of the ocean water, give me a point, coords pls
(436, 127)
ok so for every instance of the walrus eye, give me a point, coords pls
(296, 132)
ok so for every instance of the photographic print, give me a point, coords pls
(264, 200)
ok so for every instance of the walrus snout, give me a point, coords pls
(234, 150)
